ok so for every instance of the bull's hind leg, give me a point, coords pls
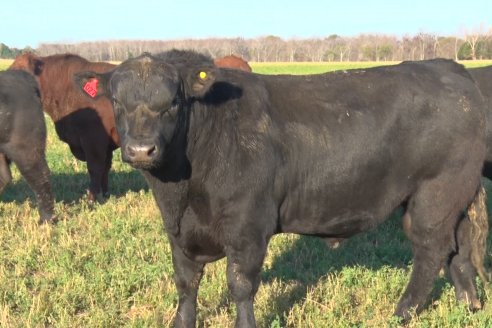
(5, 174)
(99, 156)
(467, 259)
(34, 169)
(431, 218)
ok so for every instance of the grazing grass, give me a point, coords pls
(315, 68)
(311, 68)
(475, 63)
(109, 265)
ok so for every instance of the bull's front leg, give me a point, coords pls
(243, 278)
(187, 276)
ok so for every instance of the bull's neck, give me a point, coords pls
(176, 166)
(203, 126)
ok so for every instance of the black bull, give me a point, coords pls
(233, 158)
(23, 137)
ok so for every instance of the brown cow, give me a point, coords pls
(86, 125)
(233, 62)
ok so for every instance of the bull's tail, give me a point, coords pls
(477, 214)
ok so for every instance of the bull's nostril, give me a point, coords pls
(152, 151)
(130, 151)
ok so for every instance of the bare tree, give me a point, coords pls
(472, 37)
(272, 48)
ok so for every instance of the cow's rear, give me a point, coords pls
(23, 137)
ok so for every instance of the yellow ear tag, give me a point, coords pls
(203, 75)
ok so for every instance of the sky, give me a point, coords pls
(32, 22)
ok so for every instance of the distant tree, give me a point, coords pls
(10, 53)
(385, 52)
(374, 47)
(5, 51)
(484, 49)
(465, 52)
(473, 37)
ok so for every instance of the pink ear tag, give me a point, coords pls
(91, 87)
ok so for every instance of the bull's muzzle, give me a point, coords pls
(140, 154)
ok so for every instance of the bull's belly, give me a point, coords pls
(329, 219)
(341, 226)
(200, 246)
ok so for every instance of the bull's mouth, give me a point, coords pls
(142, 165)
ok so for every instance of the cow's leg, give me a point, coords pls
(187, 276)
(5, 174)
(95, 153)
(432, 215)
(105, 177)
(461, 269)
(34, 169)
(467, 260)
(430, 250)
(244, 261)
(96, 171)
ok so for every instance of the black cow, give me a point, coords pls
(233, 158)
(483, 77)
(23, 137)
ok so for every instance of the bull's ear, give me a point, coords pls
(201, 80)
(92, 84)
(36, 65)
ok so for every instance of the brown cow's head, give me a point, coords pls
(233, 62)
(28, 62)
(150, 100)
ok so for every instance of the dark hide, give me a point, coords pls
(23, 137)
(483, 77)
(184, 57)
(233, 158)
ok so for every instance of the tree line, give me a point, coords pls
(364, 47)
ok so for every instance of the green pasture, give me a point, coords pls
(109, 265)
(5, 63)
(314, 68)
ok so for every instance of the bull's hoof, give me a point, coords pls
(99, 198)
(91, 198)
(48, 220)
(333, 243)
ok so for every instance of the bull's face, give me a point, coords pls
(150, 99)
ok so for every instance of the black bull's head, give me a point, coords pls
(149, 98)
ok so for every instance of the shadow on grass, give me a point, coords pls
(309, 259)
(70, 188)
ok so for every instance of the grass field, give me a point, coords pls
(109, 265)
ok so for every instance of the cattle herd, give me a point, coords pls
(233, 157)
